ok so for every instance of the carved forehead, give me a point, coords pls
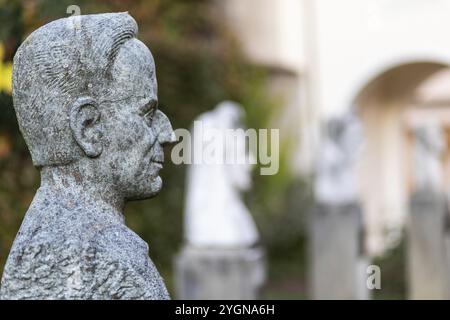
(134, 71)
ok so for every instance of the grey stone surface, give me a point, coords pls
(218, 273)
(85, 96)
(428, 266)
(338, 263)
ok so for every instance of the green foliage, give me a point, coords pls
(12, 26)
(393, 279)
(19, 179)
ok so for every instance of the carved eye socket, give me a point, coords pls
(150, 110)
(149, 116)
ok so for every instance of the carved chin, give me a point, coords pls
(153, 189)
(145, 190)
(155, 186)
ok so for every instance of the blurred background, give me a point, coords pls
(297, 66)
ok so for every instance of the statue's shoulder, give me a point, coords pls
(109, 262)
(42, 269)
(119, 240)
(122, 265)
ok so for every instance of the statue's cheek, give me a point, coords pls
(126, 130)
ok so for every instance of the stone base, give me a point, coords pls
(219, 273)
(338, 265)
(428, 270)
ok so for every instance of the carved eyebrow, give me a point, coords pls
(147, 104)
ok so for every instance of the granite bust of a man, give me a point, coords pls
(85, 96)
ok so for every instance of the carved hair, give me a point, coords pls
(58, 63)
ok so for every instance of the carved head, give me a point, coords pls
(229, 115)
(84, 88)
(345, 131)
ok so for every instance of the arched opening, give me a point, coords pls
(18, 178)
(389, 107)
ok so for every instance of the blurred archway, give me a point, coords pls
(384, 170)
(391, 106)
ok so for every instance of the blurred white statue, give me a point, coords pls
(215, 215)
(335, 181)
(429, 146)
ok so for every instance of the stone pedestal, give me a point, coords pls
(219, 273)
(427, 257)
(447, 259)
(338, 265)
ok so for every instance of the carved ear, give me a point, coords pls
(86, 127)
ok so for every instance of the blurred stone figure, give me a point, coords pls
(220, 259)
(215, 215)
(85, 96)
(428, 249)
(429, 147)
(338, 262)
(335, 180)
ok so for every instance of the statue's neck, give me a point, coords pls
(66, 184)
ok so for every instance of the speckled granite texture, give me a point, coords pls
(85, 96)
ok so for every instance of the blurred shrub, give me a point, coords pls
(394, 279)
(19, 179)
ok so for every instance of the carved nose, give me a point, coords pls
(164, 128)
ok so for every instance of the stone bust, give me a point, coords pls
(85, 96)
(336, 179)
(429, 146)
(213, 196)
